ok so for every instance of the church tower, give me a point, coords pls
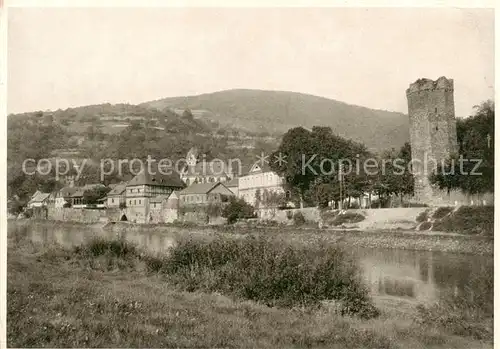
(192, 157)
(433, 134)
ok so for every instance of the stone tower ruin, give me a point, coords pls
(433, 133)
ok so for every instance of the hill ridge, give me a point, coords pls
(276, 110)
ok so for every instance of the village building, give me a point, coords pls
(204, 171)
(39, 199)
(258, 183)
(63, 196)
(156, 209)
(116, 196)
(145, 186)
(195, 200)
(171, 208)
(77, 199)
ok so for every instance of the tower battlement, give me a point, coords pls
(430, 85)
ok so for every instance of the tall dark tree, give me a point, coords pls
(472, 169)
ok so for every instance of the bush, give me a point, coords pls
(441, 212)
(237, 209)
(108, 254)
(423, 216)
(15, 207)
(28, 213)
(468, 220)
(214, 210)
(348, 217)
(271, 272)
(298, 218)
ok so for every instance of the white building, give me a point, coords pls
(259, 179)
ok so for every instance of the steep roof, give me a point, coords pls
(78, 192)
(68, 191)
(156, 178)
(40, 197)
(259, 167)
(118, 189)
(201, 188)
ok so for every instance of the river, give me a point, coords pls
(404, 274)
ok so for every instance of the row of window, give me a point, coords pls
(262, 179)
(205, 180)
(192, 198)
(150, 190)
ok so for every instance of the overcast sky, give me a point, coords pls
(60, 58)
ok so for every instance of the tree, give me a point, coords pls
(472, 169)
(91, 196)
(48, 119)
(237, 209)
(15, 207)
(325, 193)
(314, 157)
(295, 145)
(273, 200)
(396, 177)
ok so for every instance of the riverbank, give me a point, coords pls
(165, 235)
(394, 239)
(57, 299)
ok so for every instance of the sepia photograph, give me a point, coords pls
(248, 177)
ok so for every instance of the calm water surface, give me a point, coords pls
(412, 275)
(421, 275)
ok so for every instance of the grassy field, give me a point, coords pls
(107, 298)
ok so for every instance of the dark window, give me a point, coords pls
(436, 128)
(435, 110)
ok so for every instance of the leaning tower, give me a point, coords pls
(433, 133)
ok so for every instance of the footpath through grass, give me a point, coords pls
(108, 294)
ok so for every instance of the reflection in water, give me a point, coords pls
(420, 274)
(409, 274)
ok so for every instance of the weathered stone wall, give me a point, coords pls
(156, 215)
(171, 215)
(199, 217)
(77, 215)
(40, 212)
(433, 136)
(114, 214)
(283, 216)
